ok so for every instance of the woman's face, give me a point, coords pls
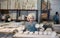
(30, 19)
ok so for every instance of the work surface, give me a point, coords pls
(33, 36)
(11, 26)
(36, 34)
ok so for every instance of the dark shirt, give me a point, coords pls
(56, 19)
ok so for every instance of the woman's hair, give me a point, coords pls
(29, 16)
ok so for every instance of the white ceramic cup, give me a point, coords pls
(30, 32)
(45, 32)
(49, 32)
(53, 33)
(37, 25)
(36, 32)
(40, 33)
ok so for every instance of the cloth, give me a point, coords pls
(47, 26)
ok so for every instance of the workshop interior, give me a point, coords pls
(29, 18)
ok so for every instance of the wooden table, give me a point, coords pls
(7, 30)
(57, 27)
(22, 35)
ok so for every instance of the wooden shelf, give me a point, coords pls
(44, 6)
(20, 9)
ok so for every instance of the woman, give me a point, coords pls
(30, 25)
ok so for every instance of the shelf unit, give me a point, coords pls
(18, 6)
(45, 10)
(18, 11)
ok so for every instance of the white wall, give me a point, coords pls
(55, 7)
